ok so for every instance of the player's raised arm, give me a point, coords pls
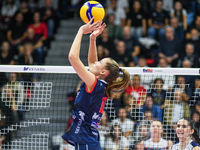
(92, 54)
(74, 54)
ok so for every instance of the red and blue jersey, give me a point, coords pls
(87, 112)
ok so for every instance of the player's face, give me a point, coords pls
(156, 128)
(183, 130)
(99, 66)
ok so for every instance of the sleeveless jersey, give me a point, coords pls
(150, 145)
(87, 112)
(190, 146)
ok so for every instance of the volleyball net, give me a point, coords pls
(36, 103)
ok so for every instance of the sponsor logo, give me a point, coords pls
(33, 69)
(147, 70)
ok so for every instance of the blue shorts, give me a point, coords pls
(79, 146)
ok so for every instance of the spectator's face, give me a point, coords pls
(136, 5)
(189, 49)
(30, 33)
(174, 23)
(178, 6)
(36, 17)
(9, 93)
(121, 47)
(5, 46)
(23, 5)
(197, 83)
(169, 33)
(122, 114)
(178, 96)
(195, 117)
(126, 31)
(143, 131)
(149, 102)
(104, 34)
(181, 80)
(48, 3)
(148, 116)
(9, 1)
(13, 77)
(186, 64)
(156, 128)
(162, 63)
(194, 34)
(136, 80)
(183, 130)
(19, 17)
(142, 62)
(159, 5)
(198, 21)
(158, 84)
(111, 19)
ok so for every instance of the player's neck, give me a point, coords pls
(156, 139)
(184, 142)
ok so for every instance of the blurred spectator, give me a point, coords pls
(131, 44)
(197, 107)
(121, 56)
(137, 91)
(189, 57)
(104, 128)
(7, 12)
(121, 4)
(126, 124)
(40, 28)
(115, 31)
(116, 139)
(37, 45)
(187, 63)
(50, 17)
(6, 56)
(16, 32)
(27, 14)
(179, 12)
(71, 95)
(142, 62)
(196, 92)
(176, 109)
(195, 116)
(169, 47)
(136, 19)
(195, 40)
(156, 141)
(101, 52)
(183, 87)
(162, 63)
(27, 58)
(106, 42)
(178, 31)
(120, 15)
(155, 109)
(18, 92)
(195, 25)
(157, 93)
(158, 19)
(8, 107)
(128, 104)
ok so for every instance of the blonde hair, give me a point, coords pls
(116, 83)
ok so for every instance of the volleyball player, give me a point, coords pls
(156, 141)
(187, 134)
(98, 84)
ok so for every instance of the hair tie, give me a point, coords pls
(120, 70)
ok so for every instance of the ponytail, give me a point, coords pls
(116, 83)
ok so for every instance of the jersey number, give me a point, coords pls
(104, 99)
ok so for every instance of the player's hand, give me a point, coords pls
(89, 27)
(99, 30)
